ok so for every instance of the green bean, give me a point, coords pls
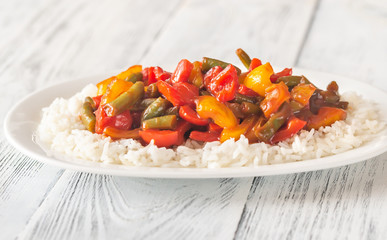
(163, 122)
(172, 111)
(295, 106)
(205, 93)
(245, 59)
(88, 117)
(240, 98)
(290, 81)
(142, 105)
(126, 100)
(91, 101)
(152, 91)
(267, 131)
(250, 108)
(236, 109)
(134, 77)
(156, 109)
(209, 63)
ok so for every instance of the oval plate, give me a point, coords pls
(23, 119)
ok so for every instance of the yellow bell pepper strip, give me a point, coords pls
(259, 79)
(115, 88)
(125, 100)
(244, 57)
(326, 116)
(126, 75)
(267, 131)
(302, 93)
(276, 95)
(237, 131)
(209, 107)
(196, 76)
(116, 133)
(293, 126)
(103, 85)
(208, 63)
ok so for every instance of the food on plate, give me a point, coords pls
(207, 113)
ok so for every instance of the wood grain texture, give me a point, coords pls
(47, 41)
(101, 207)
(349, 38)
(341, 203)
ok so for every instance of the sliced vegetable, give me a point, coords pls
(248, 108)
(119, 133)
(224, 85)
(209, 107)
(156, 108)
(182, 71)
(88, 117)
(283, 73)
(255, 62)
(188, 114)
(204, 136)
(102, 86)
(326, 116)
(163, 122)
(208, 63)
(115, 89)
(127, 74)
(293, 126)
(237, 131)
(244, 57)
(259, 79)
(276, 95)
(302, 93)
(125, 100)
(196, 76)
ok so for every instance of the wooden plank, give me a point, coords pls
(344, 202)
(349, 38)
(24, 183)
(97, 206)
(92, 206)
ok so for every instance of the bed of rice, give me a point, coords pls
(62, 131)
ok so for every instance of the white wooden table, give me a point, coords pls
(47, 41)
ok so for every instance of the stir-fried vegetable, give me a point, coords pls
(210, 100)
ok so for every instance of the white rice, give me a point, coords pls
(62, 132)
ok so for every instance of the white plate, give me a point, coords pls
(23, 118)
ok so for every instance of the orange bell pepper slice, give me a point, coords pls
(115, 88)
(259, 78)
(102, 86)
(209, 107)
(326, 116)
(128, 72)
(276, 95)
(302, 93)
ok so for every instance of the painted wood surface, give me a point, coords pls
(47, 41)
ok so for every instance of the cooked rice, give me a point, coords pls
(62, 131)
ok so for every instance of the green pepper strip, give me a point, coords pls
(250, 108)
(267, 131)
(164, 122)
(209, 63)
(126, 100)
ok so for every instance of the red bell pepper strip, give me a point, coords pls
(180, 94)
(188, 114)
(213, 127)
(293, 126)
(255, 62)
(153, 74)
(121, 121)
(205, 136)
(182, 71)
(160, 74)
(166, 138)
(247, 91)
(225, 84)
(97, 100)
(283, 73)
(188, 92)
(213, 72)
